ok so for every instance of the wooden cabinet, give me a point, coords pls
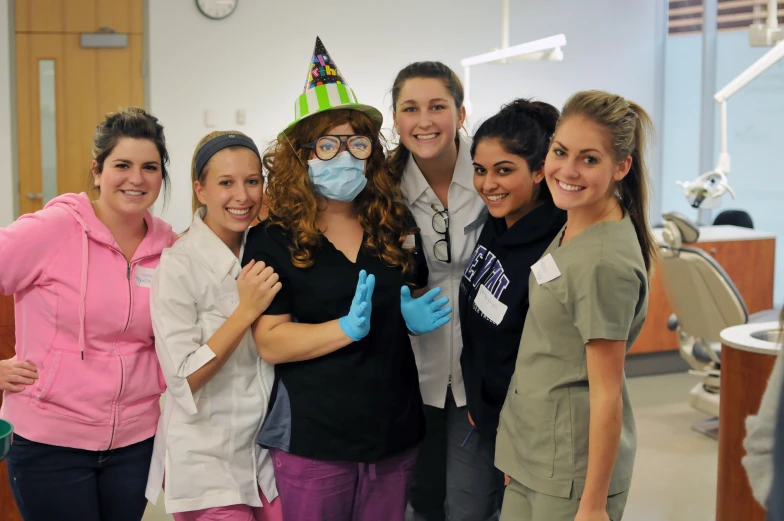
(749, 262)
(8, 512)
(744, 377)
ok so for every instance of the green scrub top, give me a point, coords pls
(601, 293)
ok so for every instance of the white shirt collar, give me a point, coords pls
(218, 256)
(414, 182)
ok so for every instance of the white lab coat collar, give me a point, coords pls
(212, 249)
(414, 182)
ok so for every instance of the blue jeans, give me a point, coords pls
(50, 482)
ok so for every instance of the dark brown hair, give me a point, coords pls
(523, 128)
(398, 157)
(134, 123)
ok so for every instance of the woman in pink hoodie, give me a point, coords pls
(80, 272)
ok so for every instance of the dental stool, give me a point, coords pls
(734, 218)
(704, 301)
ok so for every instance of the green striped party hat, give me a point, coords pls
(325, 89)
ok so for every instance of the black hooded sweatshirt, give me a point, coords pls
(494, 303)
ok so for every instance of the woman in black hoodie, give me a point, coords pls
(508, 155)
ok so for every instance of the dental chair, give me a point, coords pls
(704, 301)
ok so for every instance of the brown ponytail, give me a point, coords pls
(398, 157)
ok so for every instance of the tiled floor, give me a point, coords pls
(675, 470)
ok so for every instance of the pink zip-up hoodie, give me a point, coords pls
(83, 319)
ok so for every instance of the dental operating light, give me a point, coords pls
(548, 49)
(705, 190)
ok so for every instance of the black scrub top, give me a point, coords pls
(360, 403)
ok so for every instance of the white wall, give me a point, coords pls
(256, 59)
(7, 186)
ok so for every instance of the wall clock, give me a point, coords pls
(216, 9)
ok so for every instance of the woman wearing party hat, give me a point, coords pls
(346, 412)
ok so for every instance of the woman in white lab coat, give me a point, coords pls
(203, 305)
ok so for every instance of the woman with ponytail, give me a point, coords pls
(432, 164)
(508, 157)
(566, 436)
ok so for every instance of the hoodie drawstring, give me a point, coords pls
(83, 283)
(83, 291)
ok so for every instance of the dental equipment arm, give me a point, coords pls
(712, 185)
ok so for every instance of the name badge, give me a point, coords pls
(490, 306)
(545, 269)
(143, 276)
(228, 302)
(410, 242)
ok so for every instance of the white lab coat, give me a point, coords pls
(205, 445)
(438, 353)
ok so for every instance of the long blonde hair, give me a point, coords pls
(629, 128)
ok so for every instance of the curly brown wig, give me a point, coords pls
(294, 202)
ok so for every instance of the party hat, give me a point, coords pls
(326, 89)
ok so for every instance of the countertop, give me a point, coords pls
(739, 337)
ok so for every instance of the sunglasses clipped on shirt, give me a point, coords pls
(442, 249)
(328, 146)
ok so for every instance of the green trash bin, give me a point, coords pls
(6, 433)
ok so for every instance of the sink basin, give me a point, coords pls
(757, 337)
(768, 335)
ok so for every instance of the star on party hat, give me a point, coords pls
(326, 89)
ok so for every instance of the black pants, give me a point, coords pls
(455, 478)
(58, 483)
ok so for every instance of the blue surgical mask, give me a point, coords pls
(340, 179)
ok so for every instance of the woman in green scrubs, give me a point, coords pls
(567, 437)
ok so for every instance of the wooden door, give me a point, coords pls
(64, 90)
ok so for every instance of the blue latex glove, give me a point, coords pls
(424, 314)
(357, 323)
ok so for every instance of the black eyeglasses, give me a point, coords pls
(442, 249)
(327, 147)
